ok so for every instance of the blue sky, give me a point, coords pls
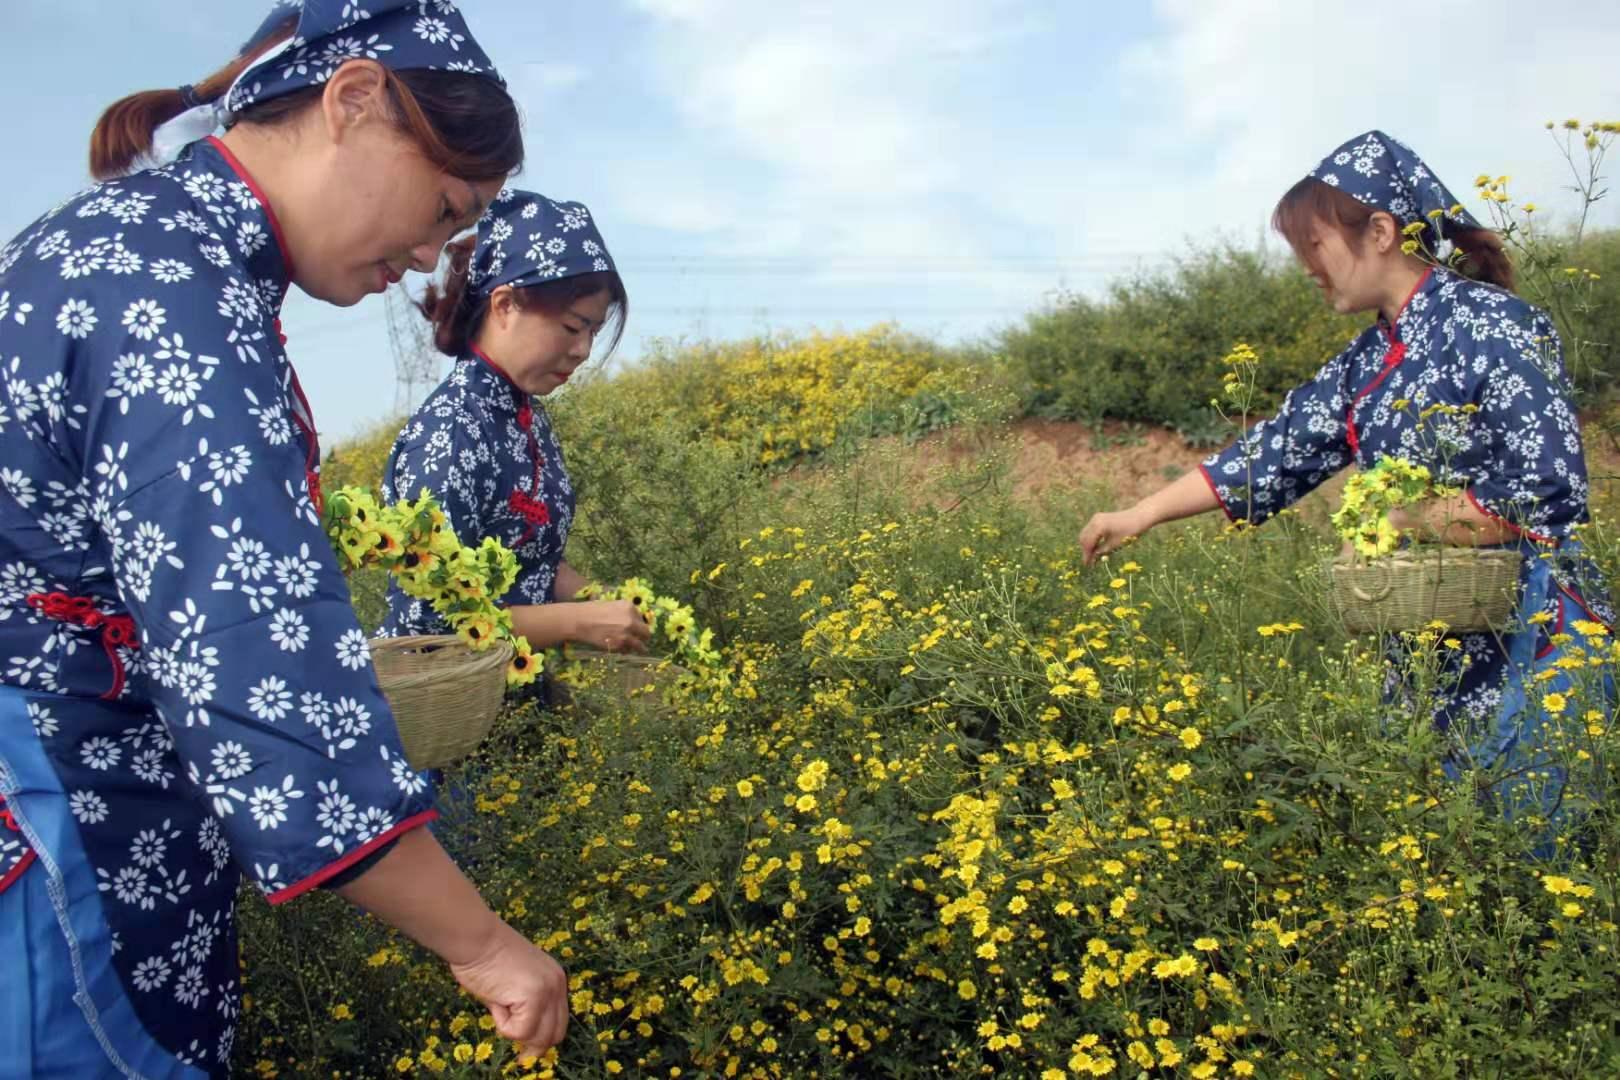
(945, 164)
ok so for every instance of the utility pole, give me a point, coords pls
(416, 361)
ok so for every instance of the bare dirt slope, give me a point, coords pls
(1128, 461)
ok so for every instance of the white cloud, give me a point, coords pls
(1251, 94)
(849, 116)
(842, 113)
(832, 157)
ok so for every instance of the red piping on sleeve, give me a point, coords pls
(1203, 470)
(1516, 530)
(330, 870)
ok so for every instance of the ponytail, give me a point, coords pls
(466, 124)
(123, 135)
(457, 315)
(1482, 257)
(448, 306)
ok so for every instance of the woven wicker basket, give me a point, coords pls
(1466, 588)
(444, 694)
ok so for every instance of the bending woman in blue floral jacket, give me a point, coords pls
(186, 696)
(1441, 338)
(519, 310)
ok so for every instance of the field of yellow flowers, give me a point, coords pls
(965, 807)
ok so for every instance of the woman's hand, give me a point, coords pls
(1188, 495)
(417, 889)
(1451, 519)
(610, 625)
(1105, 532)
(524, 989)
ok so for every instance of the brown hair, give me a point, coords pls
(1481, 254)
(466, 124)
(457, 315)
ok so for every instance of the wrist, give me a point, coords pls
(481, 940)
(574, 620)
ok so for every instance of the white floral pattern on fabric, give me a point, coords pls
(150, 467)
(525, 238)
(465, 445)
(404, 34)
(1465, 344)
(1383, 172)
(1519, 456)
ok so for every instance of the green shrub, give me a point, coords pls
(1590, 327)
(1150, 349)
(360, 460)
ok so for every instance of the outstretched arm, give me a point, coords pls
(419, 890)
(1105, 532)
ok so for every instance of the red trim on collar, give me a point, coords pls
(521, 398)
(303, 419)
(258, 193)
(306, 422)
(1392, 360)
(529, 506)
(1389, 328)
(497, 369)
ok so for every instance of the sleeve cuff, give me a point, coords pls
(1203, 470)
(1505, 523)
(332, 869)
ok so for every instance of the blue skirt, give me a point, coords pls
(65, 1013)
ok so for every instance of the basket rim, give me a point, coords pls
(475, 664)
(1426, 553)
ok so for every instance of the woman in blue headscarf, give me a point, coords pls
(1449, 332)
(185, 693)
(519, 308)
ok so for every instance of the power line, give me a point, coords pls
(772, 310)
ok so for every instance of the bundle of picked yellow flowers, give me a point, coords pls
(413, 541)
(1369, 496)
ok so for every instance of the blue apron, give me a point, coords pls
(67, 1015)
(1517, 746)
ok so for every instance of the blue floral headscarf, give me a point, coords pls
(1386, 174)
(525, 238)
(400, 34)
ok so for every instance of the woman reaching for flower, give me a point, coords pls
(189, 698)
(519, 308)
(1370, 224)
